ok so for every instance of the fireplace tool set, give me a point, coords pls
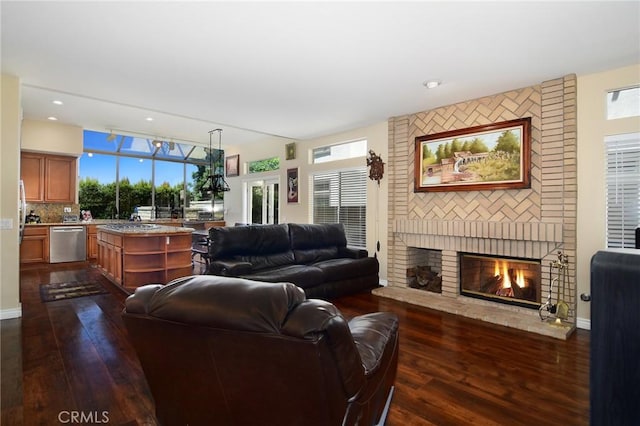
(560, 309)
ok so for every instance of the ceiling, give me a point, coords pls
(297, 70)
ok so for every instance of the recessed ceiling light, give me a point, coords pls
(57, 102)
(149, 118)
(431, 84)
(52, 118)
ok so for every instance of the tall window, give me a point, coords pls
(125, 176)
(134, 186)
(341, 197)
(623, 189)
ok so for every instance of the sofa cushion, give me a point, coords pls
(301, 275)
(340, 269)
(315, 255)
(306, 236)
(230, 241)
(267, 261)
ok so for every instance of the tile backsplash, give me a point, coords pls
(52, 212)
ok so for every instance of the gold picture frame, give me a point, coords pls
(494, 156)
(290, 151)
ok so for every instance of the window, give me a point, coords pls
(97, 191)
(341, 151)
(623, 189)
(341, 197)
(134, 187)
(623, 103)
(122, 176)
(266, 165)
(169, 188)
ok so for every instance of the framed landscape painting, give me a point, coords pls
(494, 156)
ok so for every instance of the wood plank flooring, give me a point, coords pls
(74, 355)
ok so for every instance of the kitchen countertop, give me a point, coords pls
(142, 228)
(168, 222)
(56, 224)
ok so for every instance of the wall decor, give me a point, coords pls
(376, 166)
(488, 157)
(290, 151)
(232, 164)
(292, 185)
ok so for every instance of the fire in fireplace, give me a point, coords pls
(502, 279)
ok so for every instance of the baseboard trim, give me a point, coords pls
(11, 313)
(583, 323)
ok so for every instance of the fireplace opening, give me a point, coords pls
(426, 270)
(513, 281)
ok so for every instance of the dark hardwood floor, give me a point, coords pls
(74, 356)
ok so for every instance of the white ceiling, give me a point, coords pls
(293, 69)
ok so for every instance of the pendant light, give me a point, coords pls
(217, 184)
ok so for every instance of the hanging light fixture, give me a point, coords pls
(217, 184)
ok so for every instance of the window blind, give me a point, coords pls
(623, 189)
(341, 197)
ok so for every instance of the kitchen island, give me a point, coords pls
(135, 254)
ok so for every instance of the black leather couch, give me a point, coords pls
(229, 351)
(315, 257)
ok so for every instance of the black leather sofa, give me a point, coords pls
(315, 257)
(229, 351)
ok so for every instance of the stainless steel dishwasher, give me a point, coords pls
(67, 244)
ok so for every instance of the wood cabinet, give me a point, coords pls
(110, 255)
(60, 179)
(48, 178)
(135, 259)
(92, 242)
(35, 245)
(32, 174)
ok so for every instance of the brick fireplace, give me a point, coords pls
(434, 228)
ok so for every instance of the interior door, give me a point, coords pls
(263, 202)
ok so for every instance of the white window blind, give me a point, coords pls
(623, 189)
(341, 197)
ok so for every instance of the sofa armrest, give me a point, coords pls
(314, 317)
(372, 333)
(229, 268)
(138, 302)
(352, 253)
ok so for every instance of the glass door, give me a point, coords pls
(263, 201)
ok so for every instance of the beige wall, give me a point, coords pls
(51, 137)
(593, 127)
(10, 174)
(376, 136)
